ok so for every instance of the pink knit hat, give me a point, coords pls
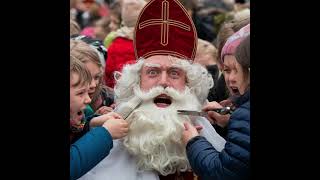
(233, 41)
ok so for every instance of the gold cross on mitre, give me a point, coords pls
(165, 22)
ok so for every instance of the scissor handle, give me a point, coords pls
(222, 111)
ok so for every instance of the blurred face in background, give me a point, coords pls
(101, 28)
(88, 3)
(114, 22)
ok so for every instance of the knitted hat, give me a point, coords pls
(233, 41)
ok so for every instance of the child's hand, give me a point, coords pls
(100, 120)
(104, 110)
(214, 117)
(226, 102)
(117, 127)
(113, 106)
(189, 132)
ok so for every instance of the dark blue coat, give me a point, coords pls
(88, 151)
(233, 161)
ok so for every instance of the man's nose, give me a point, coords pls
(164, 80)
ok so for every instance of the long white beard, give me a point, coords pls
(155, 133)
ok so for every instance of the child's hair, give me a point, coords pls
(96, 44)
(74, 27)
(242, 53)
(77, 67)
(83, 52)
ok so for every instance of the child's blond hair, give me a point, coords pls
(77, 67)
(83, 52)
(74, 27)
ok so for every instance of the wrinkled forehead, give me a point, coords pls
(163, 62)
(153, 65)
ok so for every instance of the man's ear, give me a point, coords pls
(117, 75)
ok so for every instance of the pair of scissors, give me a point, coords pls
(222, 111)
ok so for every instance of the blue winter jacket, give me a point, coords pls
(88, 151)
(233, 161)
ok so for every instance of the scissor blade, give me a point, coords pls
(191, 113)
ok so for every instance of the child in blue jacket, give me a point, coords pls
(88, 148)
(233, 162)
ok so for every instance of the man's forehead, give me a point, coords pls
(162, 65)
(162, 61)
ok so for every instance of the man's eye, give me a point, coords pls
(227, 70)
(174, 74)
(152, 72)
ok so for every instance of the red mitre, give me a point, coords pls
(165, 28)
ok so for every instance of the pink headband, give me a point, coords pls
(233, 41)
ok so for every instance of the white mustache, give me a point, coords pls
(156, 91)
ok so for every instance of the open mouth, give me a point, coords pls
(79, 113)
(235, 91)
(79, 117)
(162, 101)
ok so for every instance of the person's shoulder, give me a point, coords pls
(109, 39)
(120, 43)
(242, 113)
(243, 104)
(123, 40)
(239, 123)
(246, 105)
(240, 118)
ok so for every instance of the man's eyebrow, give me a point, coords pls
(176, 66)
(152, 65)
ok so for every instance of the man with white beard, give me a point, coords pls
(165, 85)
(164, 80)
